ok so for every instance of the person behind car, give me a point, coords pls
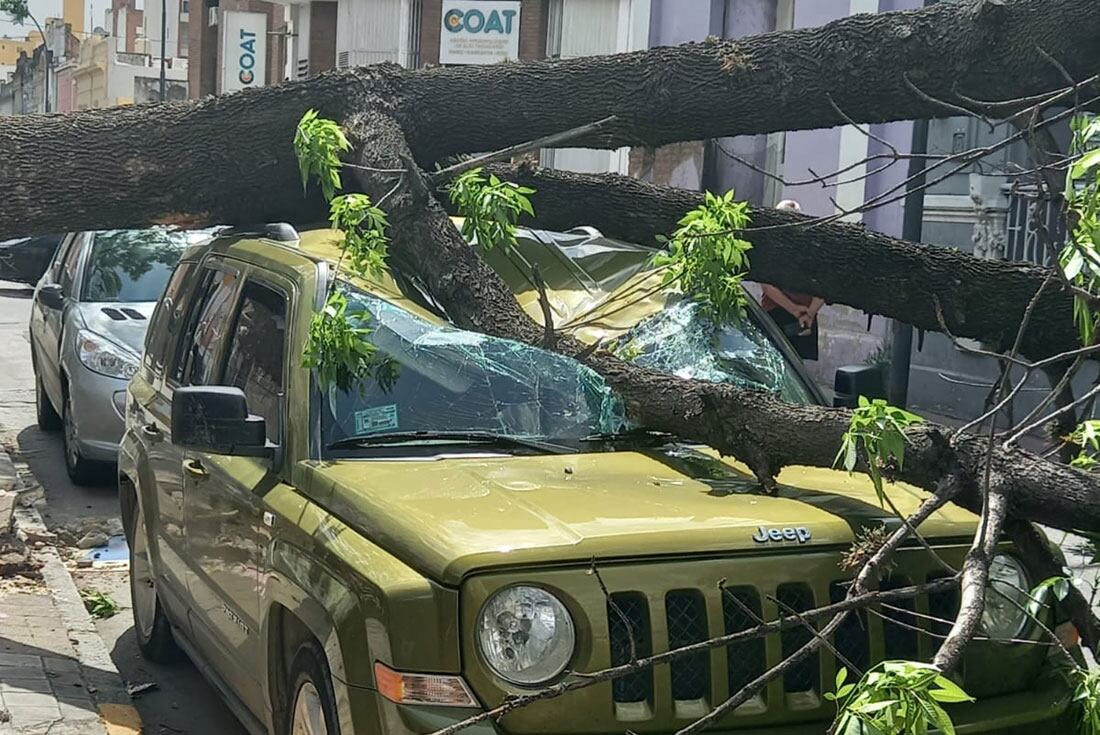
(795, 313)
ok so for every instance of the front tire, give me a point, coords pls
(312, 704)
(151, 626)
(81, 471)
(48, 420)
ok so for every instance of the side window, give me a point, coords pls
(207, 326)
(256, 353)
(165, 321)
(69, 265)
(62, 253)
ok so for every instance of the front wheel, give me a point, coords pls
(48, 420)
(312, 709)
(154, 632)
(81, 471)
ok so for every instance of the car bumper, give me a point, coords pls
(97, 403)
(1044, 708)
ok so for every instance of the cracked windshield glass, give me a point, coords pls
(450, 380)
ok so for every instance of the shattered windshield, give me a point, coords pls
(680, 341)
(450, 380)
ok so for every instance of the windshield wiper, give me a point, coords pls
(640, 436)
(452, 437)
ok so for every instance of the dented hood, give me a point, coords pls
(449, 517)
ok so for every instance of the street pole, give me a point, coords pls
(163, 35)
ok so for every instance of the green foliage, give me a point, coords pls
(340, 350)
(364, 227)
(319, 143)
(879, 430)
(491, 208)
(17, 10)
(1087, 696)
(895, 698)
(707, 259)
(1057, 586)
(1080, 258)
(99, 604)
(1087, 437)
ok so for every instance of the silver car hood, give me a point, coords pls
(121, 322)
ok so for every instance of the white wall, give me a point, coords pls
(373, 32)
(592, 28)
(152, 27)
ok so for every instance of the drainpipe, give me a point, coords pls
(901, 334)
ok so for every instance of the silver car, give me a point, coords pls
(91, 309)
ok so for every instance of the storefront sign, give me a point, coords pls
(244, 50)
(479, 31)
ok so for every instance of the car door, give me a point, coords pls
(190, 361)
(47, 323)
(223, 495)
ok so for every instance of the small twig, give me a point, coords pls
(547, 141)
(946, 105)
(548, 337)
(813, 631)
(594, 570)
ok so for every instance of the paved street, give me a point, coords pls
(182, 701)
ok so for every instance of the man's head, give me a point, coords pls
(790, 204)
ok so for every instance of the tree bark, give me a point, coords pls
(229, 159)
(756, 427)
(842, 263)
(790, 80)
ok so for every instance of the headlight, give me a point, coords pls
(1006, 599)
(101, 355)
(526, 635)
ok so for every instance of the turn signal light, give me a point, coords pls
(432, 689)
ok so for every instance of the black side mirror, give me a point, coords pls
(211, 418)
(51, 296)
(853, 381)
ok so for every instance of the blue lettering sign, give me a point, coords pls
(247, 60)
(475, 21)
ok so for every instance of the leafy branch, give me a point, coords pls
(895, 698)
(1080, 258)
(879, 430)
(318, 143)
(707, 259)
(491, 208)
(338, 346)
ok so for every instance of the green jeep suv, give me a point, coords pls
(396, 558)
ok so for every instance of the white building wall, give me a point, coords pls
(172, 29)
(593, 28)
(374, 32)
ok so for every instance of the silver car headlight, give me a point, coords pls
(526, 635)
(1005, 614)
(103, 356)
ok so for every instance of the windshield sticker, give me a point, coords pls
(373, 420)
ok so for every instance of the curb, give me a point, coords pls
(116, 708)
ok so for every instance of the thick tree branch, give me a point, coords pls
(777, 81)
(843, 263)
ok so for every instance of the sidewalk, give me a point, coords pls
(56, 676)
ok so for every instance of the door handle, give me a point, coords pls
(151, 431)
(195, 468)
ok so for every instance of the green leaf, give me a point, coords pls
(1083, 164)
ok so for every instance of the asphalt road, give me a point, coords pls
(182, 701)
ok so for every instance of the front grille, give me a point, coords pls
(660, 621)
(628, 626)
(687, 624)
(745, 660)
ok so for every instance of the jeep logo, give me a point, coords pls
(801, 534)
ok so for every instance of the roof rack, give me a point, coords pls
(277, 231)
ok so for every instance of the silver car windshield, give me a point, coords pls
(131, 265)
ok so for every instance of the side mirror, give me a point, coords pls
(51, 296)
(853, 381)
(215, 419)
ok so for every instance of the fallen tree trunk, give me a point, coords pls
(756, 427)
(229, 160)
(843, 263)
